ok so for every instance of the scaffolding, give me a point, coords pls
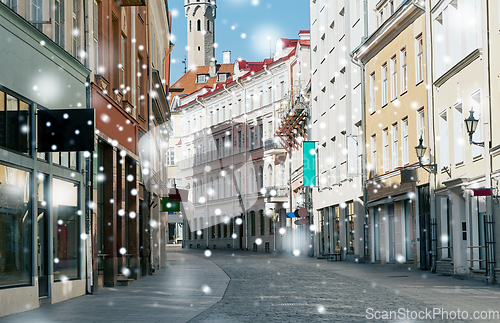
(293, 114)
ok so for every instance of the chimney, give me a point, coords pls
(212, 70)
(226, 57)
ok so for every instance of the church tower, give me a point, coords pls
(200, 16)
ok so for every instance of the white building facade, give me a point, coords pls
(337, 27)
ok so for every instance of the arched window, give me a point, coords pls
(190, 23)
(260, 178)
(239, 178)
(211, 188)
(223, 186)
(262, 223)
(212, 226)
(208, 25)
(252, 222)
(251, 179)
(198, 25)
(269, 176)
(216, 189)
(229, 184)
(200, 228)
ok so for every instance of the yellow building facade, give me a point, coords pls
(396, 117)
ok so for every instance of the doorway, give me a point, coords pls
(43, 235)
(425, 227)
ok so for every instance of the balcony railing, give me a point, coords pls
(270, 144)
(276, 191)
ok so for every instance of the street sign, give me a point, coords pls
(169, 205)
(482, 191)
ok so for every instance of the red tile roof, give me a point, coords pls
(187, 83)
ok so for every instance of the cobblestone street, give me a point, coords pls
(256, 287)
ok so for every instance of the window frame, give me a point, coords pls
(384, 80)
(404, 70)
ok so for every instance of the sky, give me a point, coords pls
(247, 28)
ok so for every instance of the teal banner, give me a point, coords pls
(309, 163)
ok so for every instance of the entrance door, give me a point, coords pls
(42, 237)
(425, 227)
(392, 233)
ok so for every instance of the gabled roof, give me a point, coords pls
(187, 83)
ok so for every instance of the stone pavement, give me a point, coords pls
(268, 288)
(280, 288)
(175, 294)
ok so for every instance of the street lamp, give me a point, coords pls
(471, 124)
(420, 150)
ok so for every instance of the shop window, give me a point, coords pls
(350, 226)
(66, 218)
(15, 227)
(14, 123)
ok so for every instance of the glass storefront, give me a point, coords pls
(14, 123)
(15, 227)
(66, 226)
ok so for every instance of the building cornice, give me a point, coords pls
(404, 16)
(467, 60)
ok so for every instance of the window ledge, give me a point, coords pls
(477, 158)
(373, 112)
(419, 82)
(383, 106)
(404, 92)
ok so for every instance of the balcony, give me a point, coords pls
(276, 194)
(273, 146)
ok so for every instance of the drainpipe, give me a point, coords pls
(245, 141)
(205, 174)
(237, 81)
(363, 143)
(87, 185)
(415, 3)
(486, 106)
(268, 70)
(363, 121)
(431, 133)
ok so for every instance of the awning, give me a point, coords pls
(389, 200)
(290, 215)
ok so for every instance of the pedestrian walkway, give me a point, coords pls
(188, 286)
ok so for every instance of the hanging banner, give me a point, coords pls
(309, 154)
(169, 205)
